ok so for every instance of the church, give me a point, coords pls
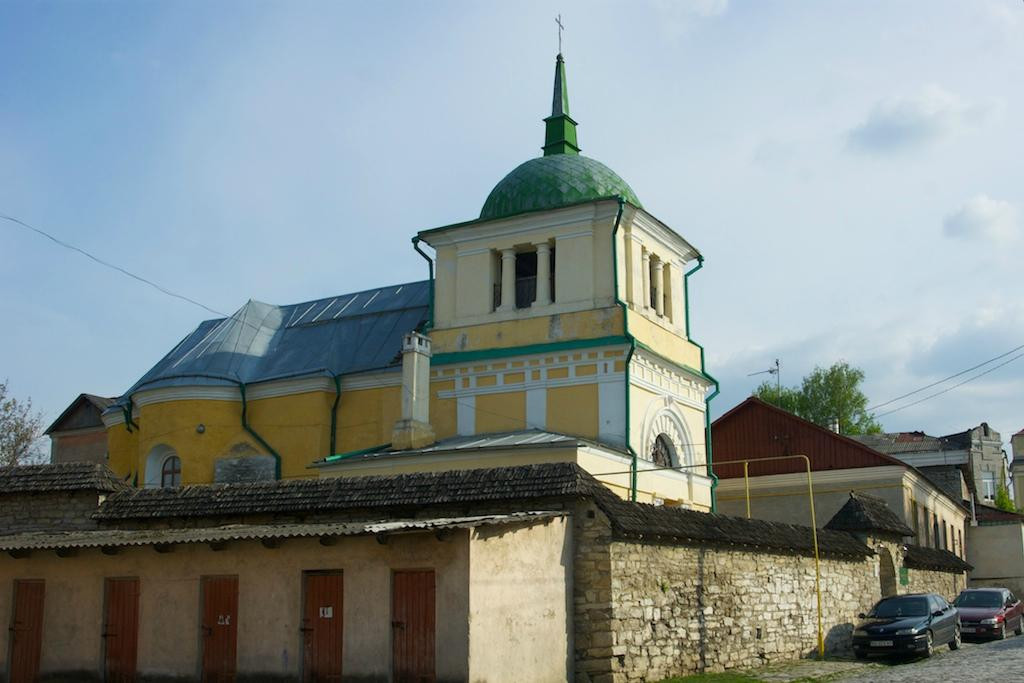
(501, 473)
(554, 327)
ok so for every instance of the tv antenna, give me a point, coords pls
(772, 371)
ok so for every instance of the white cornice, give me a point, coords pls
(664, 234)
(504, 227)
(255, 392)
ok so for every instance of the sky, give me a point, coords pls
(850, 170)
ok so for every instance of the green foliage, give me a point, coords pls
(824, 395)
(1003, 500)
(20, 429)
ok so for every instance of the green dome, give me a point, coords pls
(552, 181)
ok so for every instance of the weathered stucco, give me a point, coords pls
(997, 553)
(519, 602)
(270, 594)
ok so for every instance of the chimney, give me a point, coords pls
(833, 424)
(414, 430)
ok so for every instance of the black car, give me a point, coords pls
(912, 624)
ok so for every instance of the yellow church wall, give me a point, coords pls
(664, 342)
(504, 412)
(122, 449)
(574, 410)
(593, 324)
(443, 411)
(297, 427)
(366, 418)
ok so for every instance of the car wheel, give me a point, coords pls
(1002, 631)
(929, 645)
(1020, 627)
(955, 643)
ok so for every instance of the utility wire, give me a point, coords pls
(107, 264)
(945, 379)
(958, 384)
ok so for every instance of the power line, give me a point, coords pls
(958, 384)
(942, 381)
(112, 266)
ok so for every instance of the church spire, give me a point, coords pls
(560, 129)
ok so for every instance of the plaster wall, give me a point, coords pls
(467, 258)
(783, 498)
(997, 553)
(270, 602)
(520, 592)
(656, 412)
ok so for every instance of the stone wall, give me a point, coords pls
(648, 611)
(946, 584)
(684, 609)
(44, 511)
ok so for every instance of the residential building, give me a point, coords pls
(771, 440)
(558, 315)
(996, 549)
(78, 434)
(977, 453)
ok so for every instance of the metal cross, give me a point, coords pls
(558, 20)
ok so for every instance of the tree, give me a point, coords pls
(1003, 500)
(20, 429)
(825, 395)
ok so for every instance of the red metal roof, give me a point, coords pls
(755, 430)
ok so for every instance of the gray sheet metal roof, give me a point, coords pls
(332, 336)
(108, 538)
(530, 438)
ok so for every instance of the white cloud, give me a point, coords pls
(983, 218)
(902, 123)
(677, 16)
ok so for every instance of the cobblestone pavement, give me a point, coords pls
(982, 662)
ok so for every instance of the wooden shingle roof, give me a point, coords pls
(920, 557)
(864, 512)
(522, 484)
(68, 476)
(344, 493)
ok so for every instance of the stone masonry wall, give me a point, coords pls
(645, 611)
(680, 610)
(44, 511)
(946, 584)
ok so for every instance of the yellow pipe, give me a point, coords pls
(746, 487)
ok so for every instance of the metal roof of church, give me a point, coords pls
(336, 335)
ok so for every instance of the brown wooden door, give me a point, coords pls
(412, 626)
(322, 627)
(219, 628)
(26, 630)
(121, 629)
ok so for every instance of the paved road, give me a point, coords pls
(992, 661)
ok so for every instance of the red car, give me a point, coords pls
(989, 613)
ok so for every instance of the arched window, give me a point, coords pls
(161, 461)
(663, 452)
(170, 472)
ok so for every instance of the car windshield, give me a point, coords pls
(901, 607)
(979, 599)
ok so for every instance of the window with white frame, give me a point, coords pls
(988, 485)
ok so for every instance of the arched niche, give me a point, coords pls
(162, 460)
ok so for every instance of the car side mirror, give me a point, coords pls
(937, 613)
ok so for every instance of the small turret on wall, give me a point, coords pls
(414, 430)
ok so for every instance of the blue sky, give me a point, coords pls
(850, 170)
